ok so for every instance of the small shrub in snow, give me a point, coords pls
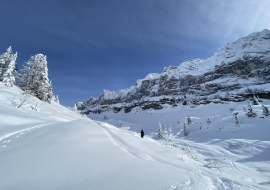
(216, 164)
(191, 153)
(251, 111)
(105, 117)
(193, 106)
(189, 121)
(208, 121)
(170, 138)
(266, 110)
(186, 130)
(119, 125)
(237, 120)
(56, 99)
(236, 144)
(12, 101)
(232, 109)
(24, 98)
(37, 107)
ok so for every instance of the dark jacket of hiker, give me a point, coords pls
(142, 133)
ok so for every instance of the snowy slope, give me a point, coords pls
(250, 162)
(58, 149)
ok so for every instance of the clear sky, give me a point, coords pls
(93, 45)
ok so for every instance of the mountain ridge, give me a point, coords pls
(246, 58)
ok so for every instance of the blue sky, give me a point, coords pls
(102, 44)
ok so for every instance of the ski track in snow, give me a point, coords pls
(231, 163)
(237, 170)
(23, 130)
(206, 182)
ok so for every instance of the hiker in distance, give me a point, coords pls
(142, 133)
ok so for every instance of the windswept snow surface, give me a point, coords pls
(56, 148)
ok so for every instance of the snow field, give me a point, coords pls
(56, 148)
(249, 161)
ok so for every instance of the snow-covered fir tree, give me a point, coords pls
(34, 78)
(186, 130)
(8, 77)
(56, 99)
(161, 131)
(256, 101)
(259, 99)
(251, 112)
(4, 61)
(189, 121)
(266, 110)
(8, 63)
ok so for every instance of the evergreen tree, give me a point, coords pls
(4, 61)
(162, 132)
(34, 78)
(256, 101)
(266, 110)
(8, 77)
(251, 112)
(186, 130)
(7, 67)
(189, 121)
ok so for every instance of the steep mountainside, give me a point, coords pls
(234, 67)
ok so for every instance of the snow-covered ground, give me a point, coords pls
(55, 148)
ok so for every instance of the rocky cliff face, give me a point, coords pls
(244, 62)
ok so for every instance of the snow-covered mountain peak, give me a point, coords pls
(247, 57)
(256, 44)
(106, 92)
